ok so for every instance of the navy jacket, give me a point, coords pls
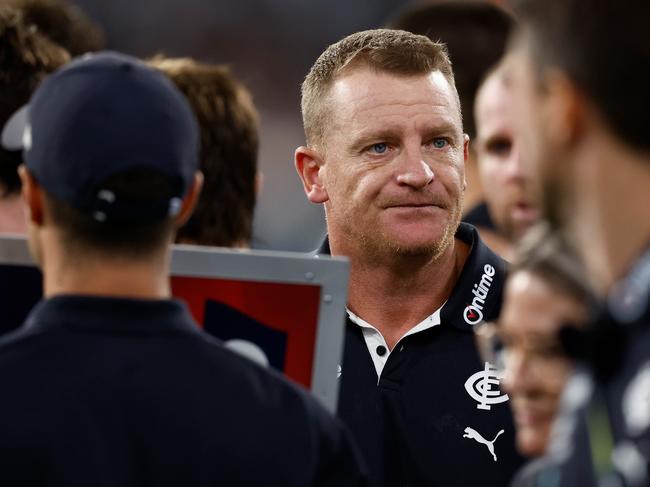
(115, 392)
(420, 425)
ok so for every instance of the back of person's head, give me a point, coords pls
(475, 32)
(390, 51)
(62, 22)
(114, 146)
(604, 47)
(229, 146)
(26, 58)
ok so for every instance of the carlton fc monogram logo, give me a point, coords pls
(483, 387)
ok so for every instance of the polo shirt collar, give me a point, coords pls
(478, 292)
(108, 314)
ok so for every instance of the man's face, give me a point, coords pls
(499, 160)
(393, 168)
(550, 175)
(536, 370)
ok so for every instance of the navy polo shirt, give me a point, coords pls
(116, 392)
(437, 416)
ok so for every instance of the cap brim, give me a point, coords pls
(14, 129)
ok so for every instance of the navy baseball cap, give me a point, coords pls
(99, 116)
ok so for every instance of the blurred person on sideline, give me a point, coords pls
(26, 58)
(229, 146)
(581, 71)
(506, 189)
(63, 22)
(476, 33)
(385, 156)
(545, 294)
(110, 381)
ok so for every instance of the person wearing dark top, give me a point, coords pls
(581, 73)
(385, 153)
(110, 382)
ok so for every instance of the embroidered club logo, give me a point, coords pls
(473, 313)
(483, 387)
(475, 435)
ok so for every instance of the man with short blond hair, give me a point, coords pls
(385, 157)
(384, 50)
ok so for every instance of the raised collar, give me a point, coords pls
(111, 315)
(477, 295)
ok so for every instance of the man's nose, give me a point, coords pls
(413, 170)
(515, 166)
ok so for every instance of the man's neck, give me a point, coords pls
(615, 213)
(107, 276)
(396, 297)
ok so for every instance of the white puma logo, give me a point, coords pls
(475, 435)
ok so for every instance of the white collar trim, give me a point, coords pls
(373, 337)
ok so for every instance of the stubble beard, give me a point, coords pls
(386, 248)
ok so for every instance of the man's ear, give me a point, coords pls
(310, 165)
(563, 108)
(32, 195)
(190, 200)
(465, 159)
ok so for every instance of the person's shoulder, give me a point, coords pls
(334, 458)
(19, 339)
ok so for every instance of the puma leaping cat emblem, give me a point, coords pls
(475, 435)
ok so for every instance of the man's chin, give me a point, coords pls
(431, 247)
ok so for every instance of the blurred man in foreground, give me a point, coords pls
(581, 70)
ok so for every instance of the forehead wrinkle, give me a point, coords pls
(349, 91)
(425, 127)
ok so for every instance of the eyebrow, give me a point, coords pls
(389, 134)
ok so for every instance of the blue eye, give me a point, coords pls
(440, 143)
(379, 148)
